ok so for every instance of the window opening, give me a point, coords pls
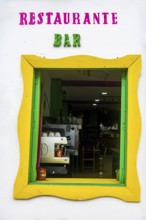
(79, 137)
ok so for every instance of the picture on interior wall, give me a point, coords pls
(79, 114)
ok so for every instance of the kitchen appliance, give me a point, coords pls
(54, 156)
(70, 131)
(53, 150)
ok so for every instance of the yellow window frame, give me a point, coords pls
(81, 189)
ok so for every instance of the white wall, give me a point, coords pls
(128, 37)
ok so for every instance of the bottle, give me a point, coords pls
(41, 174)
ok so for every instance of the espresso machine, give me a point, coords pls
(70, 131)
(54, 156)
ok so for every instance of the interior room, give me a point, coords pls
(80, 115)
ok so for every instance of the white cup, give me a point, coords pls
(44, 134)
(57, 134)
(51, 134)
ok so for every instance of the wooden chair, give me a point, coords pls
(88, 158)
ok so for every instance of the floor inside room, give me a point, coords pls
(101, 171)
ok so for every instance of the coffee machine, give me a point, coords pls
(50, 148)
(70, 131)
(54, 156)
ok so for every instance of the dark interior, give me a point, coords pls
(86, 104)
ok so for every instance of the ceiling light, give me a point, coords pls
(94, 104)
(104, 93)
(97, 100)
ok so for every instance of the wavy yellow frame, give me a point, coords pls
(81, 189)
